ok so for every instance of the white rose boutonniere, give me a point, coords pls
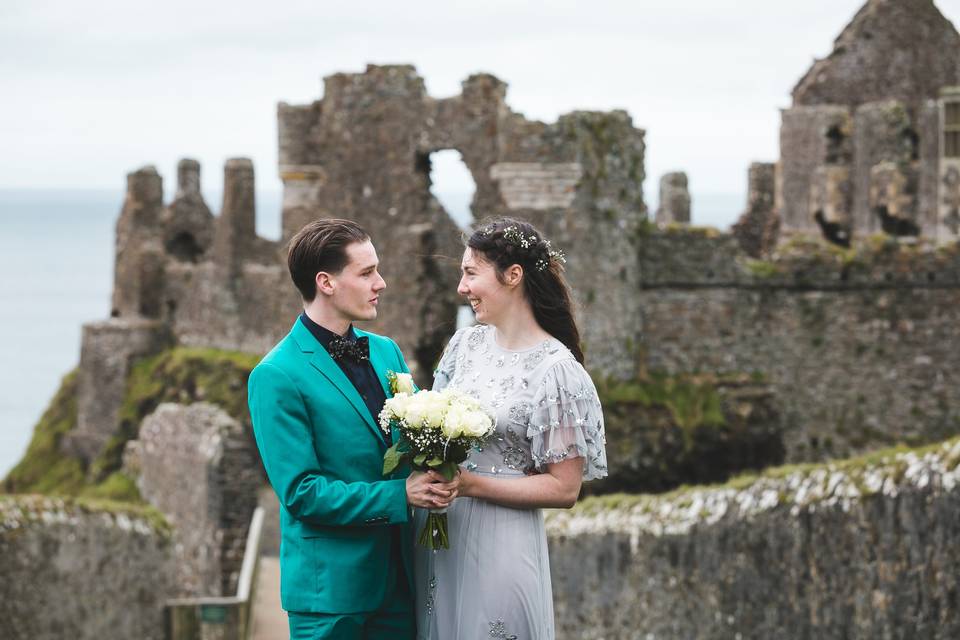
(401, 383)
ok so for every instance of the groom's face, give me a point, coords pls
(356, 289)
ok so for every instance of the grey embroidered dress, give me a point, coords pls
(494, 581)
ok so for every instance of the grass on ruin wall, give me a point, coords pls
(183, 375)
(44, 469)
(666, 430)
(21, 510)
(692, 401)
(865, 252)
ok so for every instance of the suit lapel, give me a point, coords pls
(322, 362)
(380, 368)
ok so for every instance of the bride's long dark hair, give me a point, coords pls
(505, 242)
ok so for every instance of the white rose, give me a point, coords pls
(453, 422)
(416, 410)
(403, 383)
(476, 423)
(437, 406)
(396, 407)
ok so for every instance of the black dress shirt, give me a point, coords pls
(360, 374)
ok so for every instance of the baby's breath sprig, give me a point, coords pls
(515, 236)
(555, 255)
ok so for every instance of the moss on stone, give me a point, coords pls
(44, 469)
(689, 230)
(118, 487)
(182, 374)
(664, 430)
(24, 509)
(818, 250)
(763, 268)
(692, 401)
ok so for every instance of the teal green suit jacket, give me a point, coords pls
(323, 454)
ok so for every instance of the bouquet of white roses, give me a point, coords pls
(437, 430)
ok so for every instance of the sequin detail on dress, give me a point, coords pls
(514, 453)
(476, 338)
(499, 630)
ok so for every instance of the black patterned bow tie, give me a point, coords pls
(343, 350)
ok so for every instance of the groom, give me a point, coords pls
(345, 566)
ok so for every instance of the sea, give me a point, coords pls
(56, 273)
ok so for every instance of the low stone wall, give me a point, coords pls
(81, 570)
(865, 548)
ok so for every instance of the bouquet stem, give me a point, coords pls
(434, 534)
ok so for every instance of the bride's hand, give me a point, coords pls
(465, 478)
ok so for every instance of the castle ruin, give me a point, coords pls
(854, 346)
(871, 143)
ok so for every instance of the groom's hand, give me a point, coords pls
(430, 490)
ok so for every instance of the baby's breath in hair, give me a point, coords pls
(515, 236)
(555, 255)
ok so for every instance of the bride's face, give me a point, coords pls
(480, 286)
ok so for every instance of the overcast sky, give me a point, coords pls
(93, 90)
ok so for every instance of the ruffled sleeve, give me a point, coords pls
(567, 420)
(447, 366)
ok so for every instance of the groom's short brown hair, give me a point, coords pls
(321, 246)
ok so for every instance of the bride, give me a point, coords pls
(524, 363)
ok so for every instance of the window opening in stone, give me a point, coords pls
(836, 233)
(837, 148)
(452, 184)
(895, 226)
(911, 142)
(184, 247)
(951, 130)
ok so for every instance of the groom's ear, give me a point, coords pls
(325, 283)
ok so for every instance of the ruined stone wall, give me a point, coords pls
(886, 71)
(805, 146)
(363, 152)
(674, 199)
(75, 570)
(857, 345)
(928, 151)
(108, 350)
(862, 549)
(846, 176)
(198, 466)
(758, 228)
(884, 134)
